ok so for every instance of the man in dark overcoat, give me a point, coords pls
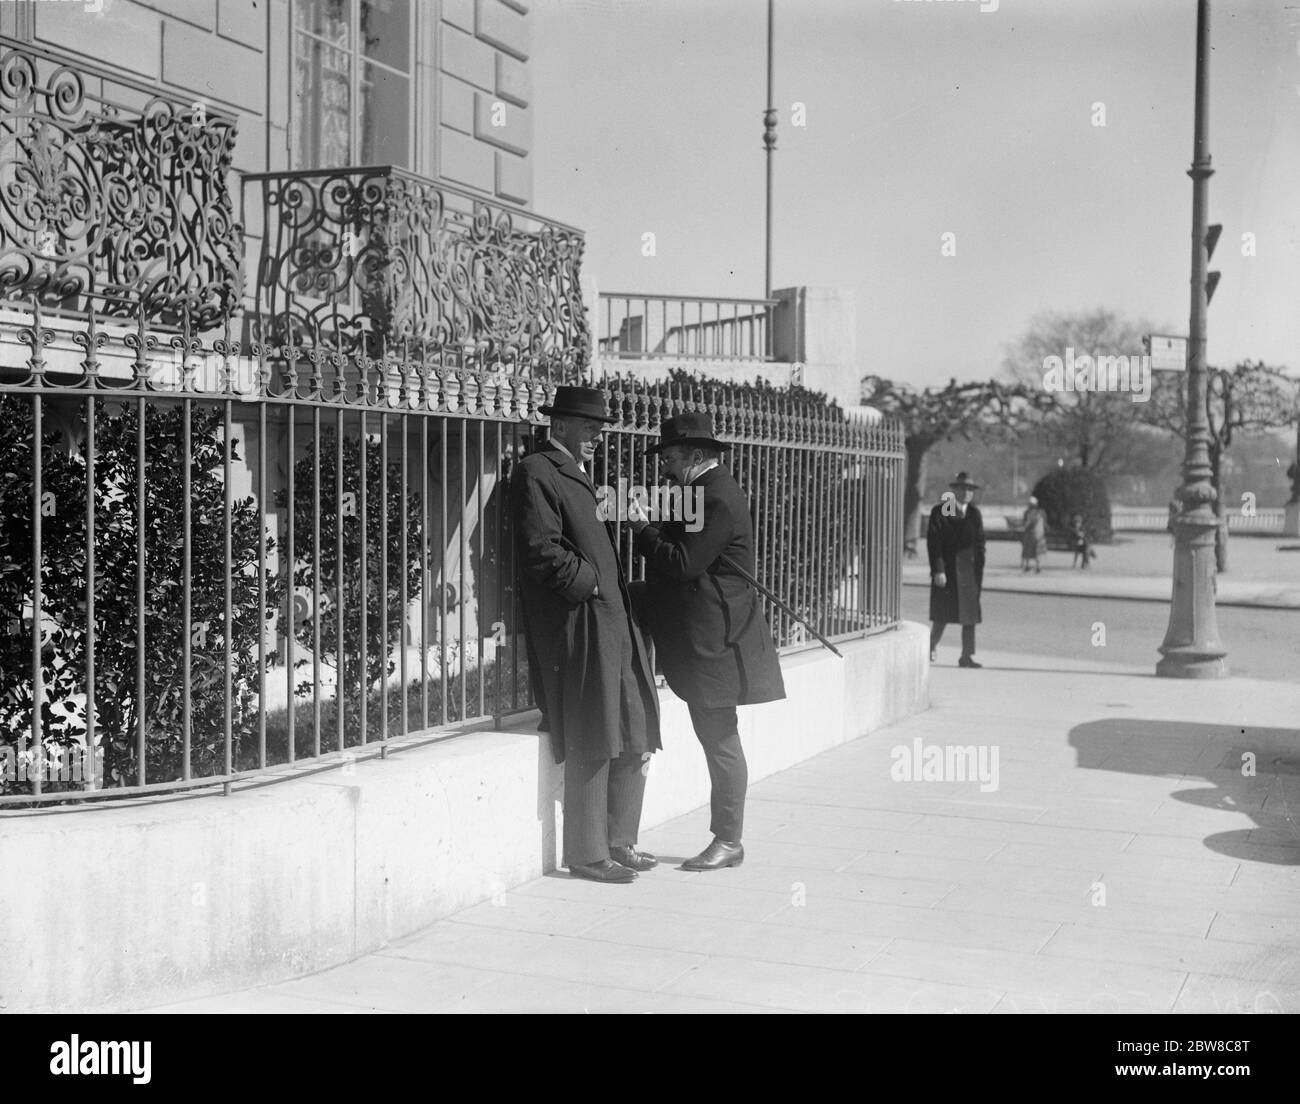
(955, 540)
(588, 655)
(713, 642)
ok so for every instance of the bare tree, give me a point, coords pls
(974, 409)
(1245, 399)
(1094, 425)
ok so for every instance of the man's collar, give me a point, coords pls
(707, 468)
(581, 467)
(556, 443)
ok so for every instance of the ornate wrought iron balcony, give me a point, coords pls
(109, 206)
(360, 258)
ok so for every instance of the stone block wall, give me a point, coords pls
(485, 122)
(472, 93)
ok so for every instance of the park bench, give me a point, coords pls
(1057, 539)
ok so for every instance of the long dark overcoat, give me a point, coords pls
(956, 547)
(712, 640)
(589, 660)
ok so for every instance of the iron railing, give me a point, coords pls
(1155, 519)
(683, 327)
(1144, 519)
(117, 203)
(218, 561)
(356, 257)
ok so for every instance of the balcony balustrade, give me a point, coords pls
(361, 259)
(113, 204)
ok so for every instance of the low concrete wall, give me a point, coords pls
(110, 908)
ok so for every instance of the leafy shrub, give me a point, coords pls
(65, 639)
(1064, 492)
(340, 509)
(504, 688)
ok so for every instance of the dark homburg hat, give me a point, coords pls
(688, 429)
(964, 480)
(579, 402)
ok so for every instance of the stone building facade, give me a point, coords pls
(439, 87)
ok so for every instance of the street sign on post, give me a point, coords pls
(1168, 352)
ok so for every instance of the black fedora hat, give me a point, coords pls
(964, 480)
(579, 402)
(688, 429)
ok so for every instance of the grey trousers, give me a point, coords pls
(602, 806)
(717, 731)
(967, 637)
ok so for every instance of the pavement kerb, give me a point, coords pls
(1098, 589)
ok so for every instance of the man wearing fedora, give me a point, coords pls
(714, 644)
(955, 541)
(590, 661)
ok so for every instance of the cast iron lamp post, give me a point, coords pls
(1192, 648)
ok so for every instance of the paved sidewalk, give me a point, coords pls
(1124, 862)
(1262, 572)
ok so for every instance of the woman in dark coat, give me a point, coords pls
(955, 540)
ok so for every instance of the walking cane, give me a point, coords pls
(776, 601)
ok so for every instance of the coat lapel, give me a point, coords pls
(566, 465)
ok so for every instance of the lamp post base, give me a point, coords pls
(1191, 665)
(1192, 648)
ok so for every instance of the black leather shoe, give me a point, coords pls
(632, 858)
(603, 871)
(966, 661)
(716, 856)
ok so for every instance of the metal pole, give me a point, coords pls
(1192, 648)
(769, 141)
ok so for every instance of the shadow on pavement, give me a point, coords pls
(1252, 770)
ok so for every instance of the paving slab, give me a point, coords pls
(810, 989)
(961, 874)
(571, 958)
(380, 983)
(1234, 996)
(859, 885)
(1081, 905)
(1165, 950)
(512, 993)
(1034, 977)
(862, 893)
(760, 942)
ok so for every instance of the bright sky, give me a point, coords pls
(926, 117)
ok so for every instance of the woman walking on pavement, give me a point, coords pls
(1033, 536)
